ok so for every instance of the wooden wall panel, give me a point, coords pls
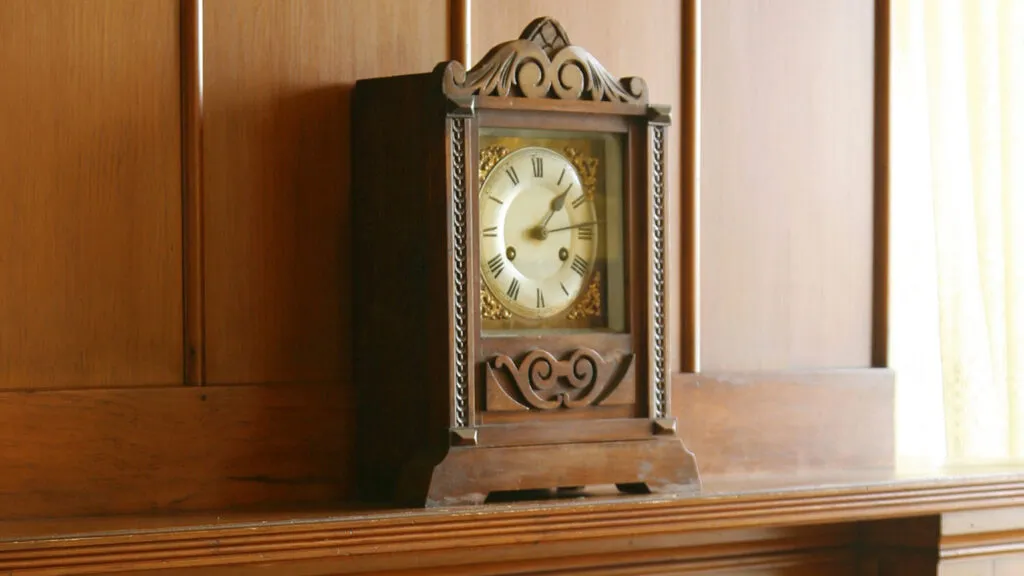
(787, 423)
(629, 39)
(278, 76)
(101, 452)
(786, 184)
(90, 229)
(94, 452)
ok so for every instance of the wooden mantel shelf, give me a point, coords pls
(566, 531)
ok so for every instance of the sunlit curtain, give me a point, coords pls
(957, 228)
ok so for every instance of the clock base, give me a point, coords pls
(468, 474)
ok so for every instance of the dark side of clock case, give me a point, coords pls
(446, 414)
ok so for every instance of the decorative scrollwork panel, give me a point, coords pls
(540, 381)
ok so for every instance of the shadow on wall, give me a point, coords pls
(313, 179)
(277, 262)
(279, 287)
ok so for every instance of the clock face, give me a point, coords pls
(550, 229)
(539, 233)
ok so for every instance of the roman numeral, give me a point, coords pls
(491, 232)
(496, 265)
(585, 233)
(495, 199)
(513, 289)
(512, 175)
(563, 288)
(560, 176)
(579, 265)
(538, 167)
(579, 201)
(540, 298)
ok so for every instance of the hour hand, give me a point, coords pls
(557, 203)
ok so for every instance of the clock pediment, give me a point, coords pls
(542, 64)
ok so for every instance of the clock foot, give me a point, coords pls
(633, 488)
(467, 475)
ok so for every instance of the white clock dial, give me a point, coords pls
(538, 233)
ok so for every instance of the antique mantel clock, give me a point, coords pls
(509, 279)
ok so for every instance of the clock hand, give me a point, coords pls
(557, 203)
(574, 226)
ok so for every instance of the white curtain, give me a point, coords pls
(957, 229)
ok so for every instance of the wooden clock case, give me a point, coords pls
(446, 413)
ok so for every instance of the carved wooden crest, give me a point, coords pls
(542, 63)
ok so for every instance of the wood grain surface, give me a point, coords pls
(90, 172)
(796, 551)
(786, 184)
(789, 528)
(95, 101)
(276, 172)
(193, 205)
(880, 217)
(977, 542)
(93, 452)
(901, 547)
(787, 422)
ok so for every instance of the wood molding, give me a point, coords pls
(979, 533)
(689, 209)
(880, 281)
(723, 528)
(728, 550)
(984, 544)
(192, 188)
(459, 19)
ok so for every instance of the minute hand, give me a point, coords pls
(574, 226)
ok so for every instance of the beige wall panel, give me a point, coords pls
(278, 80)
(969, 567)
(629, 39)
(786, 184)
(90, 173)
(1009, 565)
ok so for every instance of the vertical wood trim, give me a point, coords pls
(459, 37)
(659, 348)
(690, 194)
(192, 189)
(880, 300)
